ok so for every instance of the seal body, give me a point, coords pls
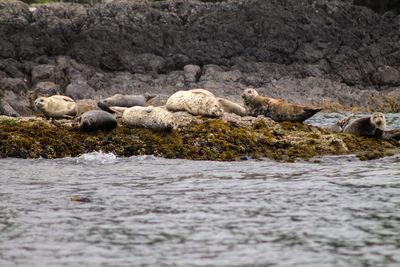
(341, 124)
(276, 109)
(85, 105)
(231, 107)
(119, 100)
(372, 126)
(56, 106)
(95, 120)
(156, 118)
(196, 102)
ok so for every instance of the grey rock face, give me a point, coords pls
(47, 89)
(314, 52)
(43, 73)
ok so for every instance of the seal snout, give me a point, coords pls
(249, 93)
(39, 103)
(379, 120)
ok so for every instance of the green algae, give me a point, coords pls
(208, 139)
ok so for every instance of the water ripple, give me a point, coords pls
(148, 211)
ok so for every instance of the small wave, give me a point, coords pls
(144, 158)
(97, 157)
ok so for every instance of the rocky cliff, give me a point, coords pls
(328, 53)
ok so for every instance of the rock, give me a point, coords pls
(192, 73)
(6, 109)
(42, 73)
(47, 89)
(14, 104)
(17, 85)
(11, 67)
(79, 90)
(387, 75)
(314, 52)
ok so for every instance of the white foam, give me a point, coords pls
(97, 157)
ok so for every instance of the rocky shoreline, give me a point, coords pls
(331, 54)
(198, 138)
(328, 54)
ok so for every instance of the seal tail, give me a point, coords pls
(149, 97)
(309, 112)
(104, 107)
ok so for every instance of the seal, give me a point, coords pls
(196, 102)
(95, 120)
(56, 106)
(119, 100)
(341, 123)
(372, 126)
(156, 118)
(231, 107)
(276, 109)
(85, 105)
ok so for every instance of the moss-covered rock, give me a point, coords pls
(204, 139)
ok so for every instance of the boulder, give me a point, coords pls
(42, 73)
(17, 85)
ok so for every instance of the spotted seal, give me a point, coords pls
(196, 102)
(56, 106)
(156, 118)
(95, 120)
(120, 100)
(276, 109)
(372, 126)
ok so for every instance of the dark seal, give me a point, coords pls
(95, 120)
(372, 126)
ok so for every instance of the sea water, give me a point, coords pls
(148, 211)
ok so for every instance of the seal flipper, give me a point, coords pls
(104, 107)
(118, 110)
(308, 113)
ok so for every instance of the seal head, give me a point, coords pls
(372, 126)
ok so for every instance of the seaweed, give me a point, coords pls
(205, 139)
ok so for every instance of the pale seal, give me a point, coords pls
(95, 120)
(196, 102)
(119, 100)
(372, 126)
(156, 118)
(276, 109)
(231, 107)
(56, 106)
